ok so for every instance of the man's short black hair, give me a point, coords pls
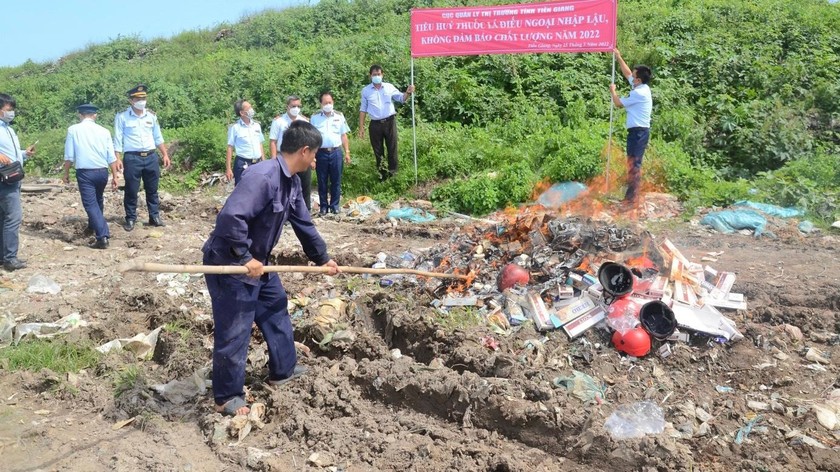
(237, 106)
(643, 73)
(375, 68)
(324, 94)
(6, 99)
(300, 134)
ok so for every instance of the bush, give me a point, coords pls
(575, 154)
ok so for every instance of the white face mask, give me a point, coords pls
(250, 113)
(294, 111)
(328, 108)
(139, 104)
(8, 116)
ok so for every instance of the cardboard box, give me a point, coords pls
(579, 307)
(582, 323)
(539, 313)
(724, 282)
(732, 301)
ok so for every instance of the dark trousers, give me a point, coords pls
(329, 167)
(306, 187)
(637, 141)
(92, 184)
(239, 166)
(136, 168)
(384, 131)
(236, 307)
(11, 215)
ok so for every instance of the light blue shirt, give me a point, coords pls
(9, 143)
(136, 133)
(332, 127)
(279, 126)
(379, 103)
(639, 105)
(246, 139)
(89, 146)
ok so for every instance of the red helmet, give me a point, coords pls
(635, 342)
(623, 305)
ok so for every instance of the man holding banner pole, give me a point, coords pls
(639, 105)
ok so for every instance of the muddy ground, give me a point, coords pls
(448, 403)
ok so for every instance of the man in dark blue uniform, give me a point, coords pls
(247, 228)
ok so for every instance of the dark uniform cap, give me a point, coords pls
(139, 91)
(87, 109)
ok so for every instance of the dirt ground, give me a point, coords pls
(448, 403)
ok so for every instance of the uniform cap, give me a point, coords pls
(139, 91)
(87, 109)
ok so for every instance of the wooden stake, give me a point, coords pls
(137, 266)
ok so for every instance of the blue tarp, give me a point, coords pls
(771, 210)
(414, 215)
(729, 221)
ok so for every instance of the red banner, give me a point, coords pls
(572, 26)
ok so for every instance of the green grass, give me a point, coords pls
(58, 356)
(126, 379)
(459, 318)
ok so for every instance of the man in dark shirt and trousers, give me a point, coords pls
(639, 105)
(378, 99)
(247, 228)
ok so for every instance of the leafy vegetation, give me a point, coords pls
(745, 98)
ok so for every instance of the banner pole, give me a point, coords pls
(413, 125)
(609, 142)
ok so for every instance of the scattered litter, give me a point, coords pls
(635, 420)
(828, 413)
(745, 430)
(181, 391)
(724, 389)
(805, 227)
(414, 215)
(123, 423)
(490, 342)
(396, 354)
(240, 425)
(44, 330)
(815, 356)
(757, 406)
(583, 386)
(42, 284)
(798, 437)
(142, 345)
(362, 207)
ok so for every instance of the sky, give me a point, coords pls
(45, 30)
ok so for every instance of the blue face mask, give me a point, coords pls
(376, 79)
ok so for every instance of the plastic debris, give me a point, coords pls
(583, 386)
(745, 430)
(724, 389)
(490, 343)
(181, 391)
(805, 227)
(828, 413)
(48, 330)
(42, 284)
(729, 221)
(769, 209)
(142, 345)
(361, 207)
(815, 356)
(414, 215)
(706, 320)
(635, 420)
(240, 425)
(561, 193)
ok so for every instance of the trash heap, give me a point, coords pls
(574, 274)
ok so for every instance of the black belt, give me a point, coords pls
(249, 161)
(636, 128)
(383, 120)
(330, 149)
(141, 153)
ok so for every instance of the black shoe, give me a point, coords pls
(156, 221)
(101, 243)
(14, 264)
(129, 225)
